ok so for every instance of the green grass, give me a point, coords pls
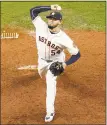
(76, 15)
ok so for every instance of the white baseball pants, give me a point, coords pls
(43, 66)
(51, 91)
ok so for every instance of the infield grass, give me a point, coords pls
(76, 15)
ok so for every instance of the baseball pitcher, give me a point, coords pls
(51, 42)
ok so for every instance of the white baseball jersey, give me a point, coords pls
(51, 46)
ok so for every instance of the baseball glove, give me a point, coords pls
(56, 68)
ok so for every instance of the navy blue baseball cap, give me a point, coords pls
(55, 15)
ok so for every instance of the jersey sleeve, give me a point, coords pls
(70, 45)
(39, 23)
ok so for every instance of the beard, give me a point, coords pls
(52, 27)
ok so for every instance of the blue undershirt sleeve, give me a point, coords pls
(36, 10)
(73, 59)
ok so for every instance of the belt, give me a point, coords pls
(47, 60)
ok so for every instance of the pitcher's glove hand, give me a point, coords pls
(56, 68)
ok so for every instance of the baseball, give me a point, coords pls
(59, 8)
(55, 7)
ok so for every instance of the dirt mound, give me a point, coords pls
(80, 90)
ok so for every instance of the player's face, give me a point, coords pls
(53, 22)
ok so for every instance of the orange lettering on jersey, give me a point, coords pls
(42, 39)
(45, 40)
(57, 47)
(53, 45)
(39, 38)
(49, 43)
(58, 52)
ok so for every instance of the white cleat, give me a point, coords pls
(49, 117)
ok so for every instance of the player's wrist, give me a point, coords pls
(64, 65)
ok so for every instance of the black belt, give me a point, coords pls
(47, 60)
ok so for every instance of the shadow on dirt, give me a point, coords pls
(82, 90)
(25, 79)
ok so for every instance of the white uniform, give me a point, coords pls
(51, 47)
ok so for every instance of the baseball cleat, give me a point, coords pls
(49, 117)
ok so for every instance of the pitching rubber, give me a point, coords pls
(28, 67)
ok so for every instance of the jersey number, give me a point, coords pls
(52, 52)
